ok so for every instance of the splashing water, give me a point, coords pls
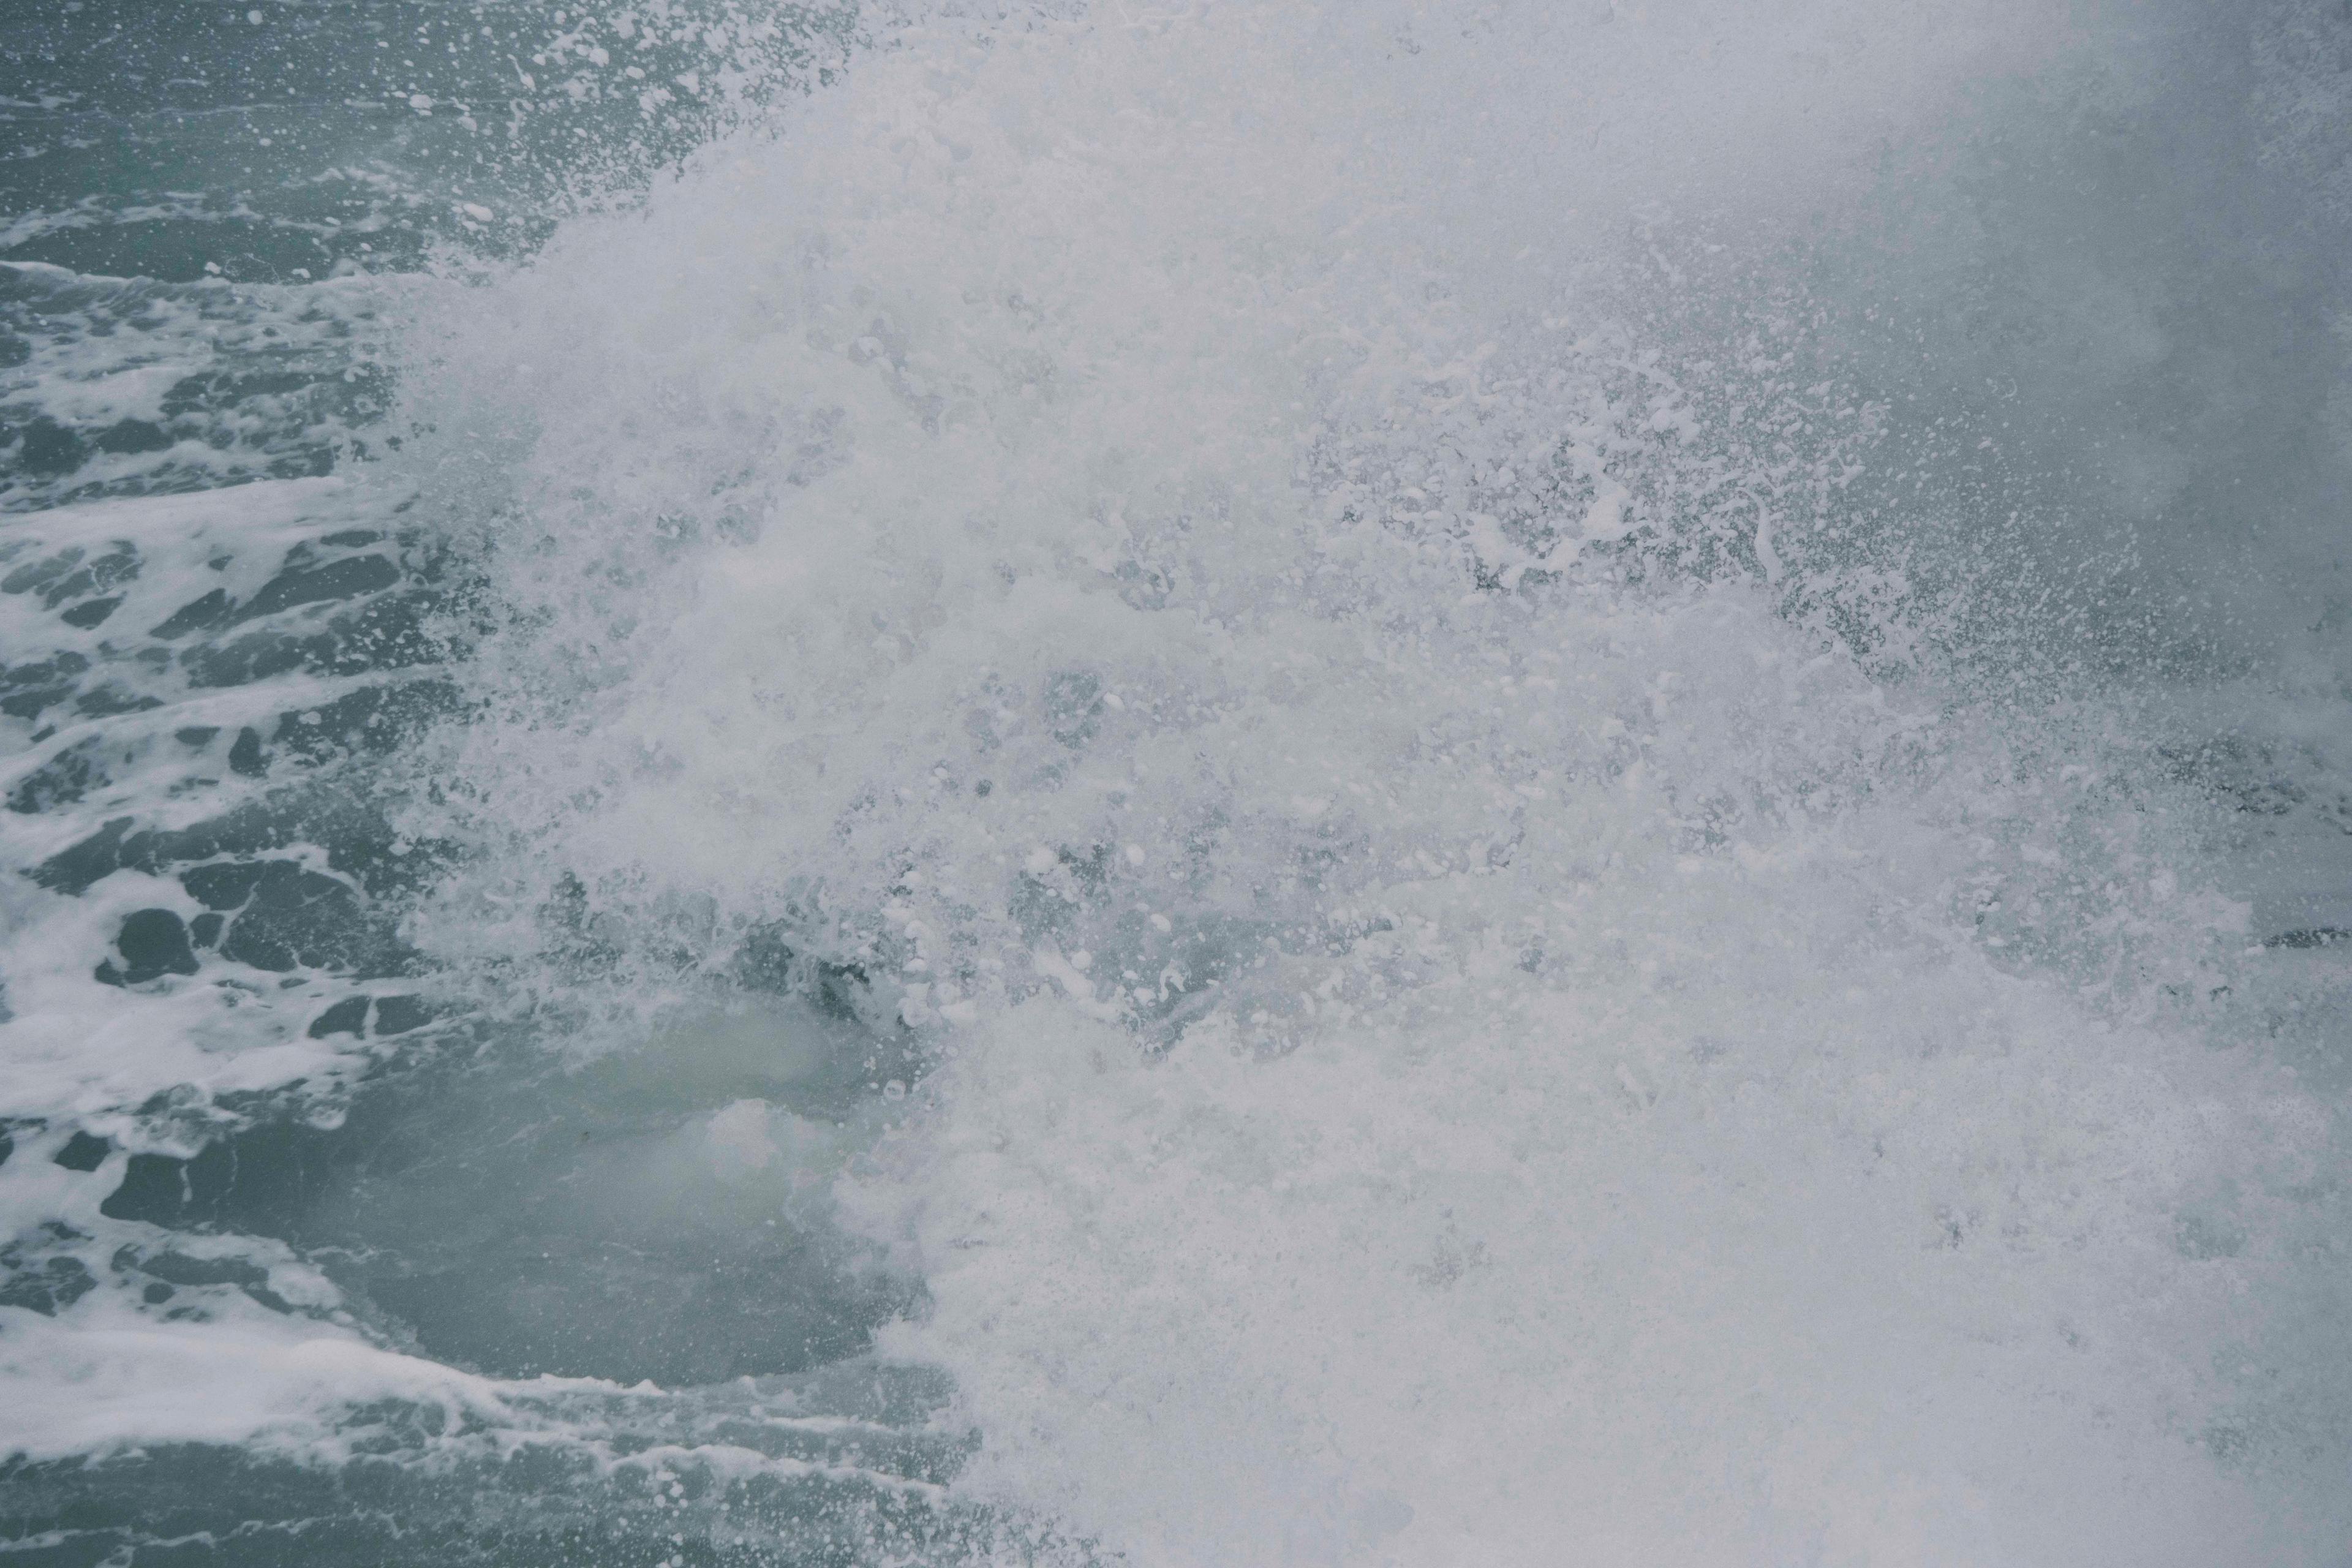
(1222, 785)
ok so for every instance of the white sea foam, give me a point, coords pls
(1489, 917)
(144, 387)
(113, 1383)
(76, 1049)
(1125, 533)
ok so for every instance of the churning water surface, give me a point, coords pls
(1216, 784)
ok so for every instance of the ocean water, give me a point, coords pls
(1253, 783)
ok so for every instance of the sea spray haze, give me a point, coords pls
(1242, 783)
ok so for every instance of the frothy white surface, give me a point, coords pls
(1447, 1055)
(1461, 962)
